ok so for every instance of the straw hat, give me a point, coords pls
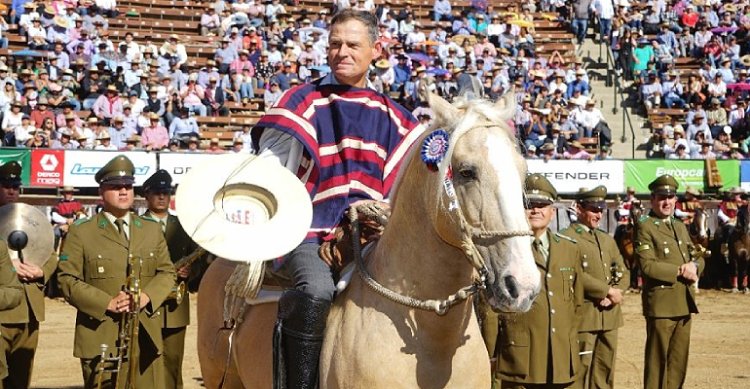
(383, 64)
(239, 202)
(745, 60)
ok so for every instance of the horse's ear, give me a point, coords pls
(445, 113)
(506, 106)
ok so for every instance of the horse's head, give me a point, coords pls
(480, 206)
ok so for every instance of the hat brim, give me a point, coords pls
(118, 180)
(539, 198)
(236, 203)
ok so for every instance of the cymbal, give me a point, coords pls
(37, 228)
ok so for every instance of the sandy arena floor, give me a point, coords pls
(719, 355)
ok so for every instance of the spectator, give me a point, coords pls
(271, 95)
(117, 134)
(108, 105)
(64, 142)
(182, 127)
(22, 133)
(155, 136)
(581, 12)
(192, 96)
(210, 22)
(576, 151)
(104, 140)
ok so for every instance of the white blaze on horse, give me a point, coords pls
(457, 226)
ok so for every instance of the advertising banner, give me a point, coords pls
(23, 156)
(745, 175)
(178, 164)
(47, 167)
(81, 166)
(639, 174)
(567, 176)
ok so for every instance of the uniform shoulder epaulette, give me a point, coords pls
(81, 221)
(559, 235)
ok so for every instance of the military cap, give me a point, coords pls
(664, 184)
(119, 170)
(10, 173)
(593, 198)
(539, 189)
(160, 181)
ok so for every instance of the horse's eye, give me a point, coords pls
(468, 173)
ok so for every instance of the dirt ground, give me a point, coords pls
(719, 355)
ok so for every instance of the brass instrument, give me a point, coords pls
(127, 337)
(179, 290)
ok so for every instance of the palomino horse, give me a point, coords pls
(470, 206)
(625, 236)
(739, 251)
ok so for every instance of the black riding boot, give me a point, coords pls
(297, 340)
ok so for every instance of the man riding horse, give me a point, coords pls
(727, 215)
(345, 141)
(685, 209)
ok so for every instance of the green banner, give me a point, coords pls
(639, 174)
(23, 156)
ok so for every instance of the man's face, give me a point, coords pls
(117, 197)
(589, 216)
(158, 201)
(9, 193)
(663, 205)
(539, 214)
(350, 52)
(67, 195)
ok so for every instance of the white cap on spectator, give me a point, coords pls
(235, 30)
(727, 130)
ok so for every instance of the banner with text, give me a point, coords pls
(178, 164)
(567, 176)
(23, 156)
(745, 175)
(639, 174)
(81, 166)
(47, 167)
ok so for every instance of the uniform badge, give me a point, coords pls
(100, 269)
(666, 250)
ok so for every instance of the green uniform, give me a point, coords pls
(540, 347)
(93, 270)
(598, 329)
(668, 302)
(11, 295)
(20, 328)
(175, 317)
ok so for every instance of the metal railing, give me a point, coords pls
(613, 79)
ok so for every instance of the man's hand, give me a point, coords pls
(183, 272)
(119, 303)
(614, 295)
(605, 303)
(688, 271)
(26, 271)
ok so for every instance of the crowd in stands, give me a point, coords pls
(687, 60)
(144, 94)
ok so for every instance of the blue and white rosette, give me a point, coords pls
(434, 148)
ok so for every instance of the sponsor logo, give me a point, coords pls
(81, 170)
(682, 173)
(593, 176)
(48, 162)
(178, 170)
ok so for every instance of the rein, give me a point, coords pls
(469, 233)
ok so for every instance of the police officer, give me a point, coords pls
(603, 269)
(99, 254)
(11, 294)
(727, 214)
(20, 326)
(668, 302)
(175, 317)
(539, 348)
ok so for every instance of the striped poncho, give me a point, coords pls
(354, 140)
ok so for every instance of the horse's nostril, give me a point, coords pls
(511, 285)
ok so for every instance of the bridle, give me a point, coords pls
(467, 245)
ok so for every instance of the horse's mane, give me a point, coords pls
(470, 113)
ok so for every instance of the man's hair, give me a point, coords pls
(366, 18)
